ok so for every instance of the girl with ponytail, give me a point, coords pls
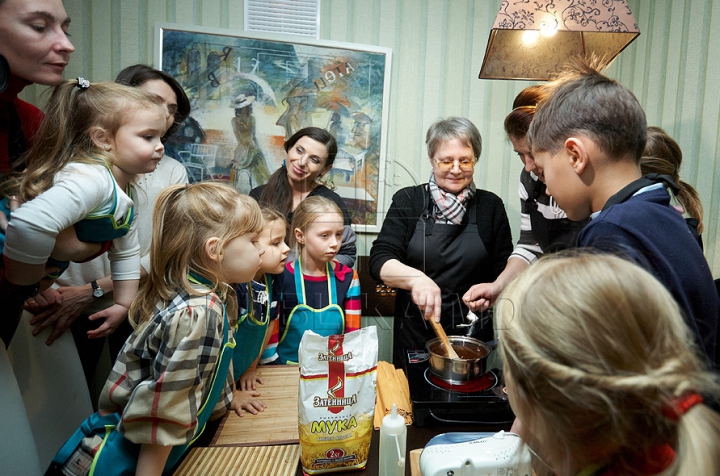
(662, 155)
(544, 226)
(601, 369)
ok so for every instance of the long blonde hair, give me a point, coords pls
(306, 213)
(65, 135)
(184, 219)
(596, 349)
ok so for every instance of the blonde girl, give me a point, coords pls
(601, 369)
(259, 303)
(95, 139)
(319, 294)
(173, 365)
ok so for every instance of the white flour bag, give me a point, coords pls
(336, 399)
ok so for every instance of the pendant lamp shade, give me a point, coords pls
(532, 39)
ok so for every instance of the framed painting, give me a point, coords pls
(250, 93)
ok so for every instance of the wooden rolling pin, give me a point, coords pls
(440, 332)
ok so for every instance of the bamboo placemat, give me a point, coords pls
(245, 461)
(278, 424)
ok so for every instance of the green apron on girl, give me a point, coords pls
(117, 456)
(250, 331)
(326, 321)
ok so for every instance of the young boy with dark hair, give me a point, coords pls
(587, 139)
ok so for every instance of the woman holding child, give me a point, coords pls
(440, 238)
(34, 48)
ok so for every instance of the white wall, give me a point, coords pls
(438, 47)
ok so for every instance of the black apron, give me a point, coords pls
(452, 256)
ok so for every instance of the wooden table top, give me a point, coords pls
(278, 424)
(267, 443)
(248, 461)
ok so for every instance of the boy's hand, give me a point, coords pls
(113, 316)
(248, 401)
(482, 296)
(249, 379)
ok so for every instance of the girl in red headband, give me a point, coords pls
(602, 371)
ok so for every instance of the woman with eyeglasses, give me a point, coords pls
(440, 238)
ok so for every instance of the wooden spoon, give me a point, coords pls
(440, 332)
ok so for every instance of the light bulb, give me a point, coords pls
(530, 36)
(548, 31)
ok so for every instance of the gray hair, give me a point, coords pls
(453, 128)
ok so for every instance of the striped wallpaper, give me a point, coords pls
(438, 47)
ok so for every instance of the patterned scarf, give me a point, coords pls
(448, 207)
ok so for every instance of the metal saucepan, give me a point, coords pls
(471, 364)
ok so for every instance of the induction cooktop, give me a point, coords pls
(481, 401)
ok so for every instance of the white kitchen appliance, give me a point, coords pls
(475, 454)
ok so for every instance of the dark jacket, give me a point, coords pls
(645, 229)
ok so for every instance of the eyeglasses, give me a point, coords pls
(447, 165)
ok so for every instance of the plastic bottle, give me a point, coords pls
(393, 435)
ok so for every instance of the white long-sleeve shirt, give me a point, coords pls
(79, 190)
(147, 188)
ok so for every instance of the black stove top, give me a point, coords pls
(483, 402)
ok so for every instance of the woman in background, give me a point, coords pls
(310, 155)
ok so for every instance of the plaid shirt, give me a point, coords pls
(165, 369)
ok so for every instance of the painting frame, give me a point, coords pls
(338, 86)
